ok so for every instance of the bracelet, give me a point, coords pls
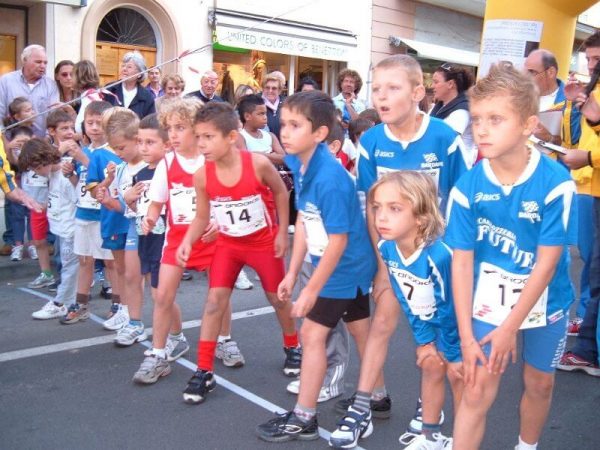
(590, 159)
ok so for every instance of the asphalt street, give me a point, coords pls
(68, 387)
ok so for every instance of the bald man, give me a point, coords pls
(208, 85)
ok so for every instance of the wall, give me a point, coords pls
(12, 21)
(391, 18)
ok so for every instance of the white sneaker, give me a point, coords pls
(32, 252)
(17, 253)
(291, 229)
(118, 319)
(50, 311)
(421, 443)
(130, 334)
(293, 387)
(41, 281)
(243, 282)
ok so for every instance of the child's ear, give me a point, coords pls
(418, 93)
(530, 125)
(52, 131)
(232, 136)
(321, 133)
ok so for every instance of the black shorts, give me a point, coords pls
(329, 311)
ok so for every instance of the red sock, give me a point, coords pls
(206, 355)
(290, 341)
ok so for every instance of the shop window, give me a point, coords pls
(310, 67)
(8, 53)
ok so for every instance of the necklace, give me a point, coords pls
(527, 164)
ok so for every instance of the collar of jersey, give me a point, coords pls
(418, 135)
(533, 163)
(412, 258)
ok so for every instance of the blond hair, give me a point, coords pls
(175, 78)
(185, 108)
(119, 121)
(407, 63)
(503, 80)
(420, 190)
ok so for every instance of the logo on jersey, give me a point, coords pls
(505, 241)
(431, 161)
(530, 211)
(481, 197)
(383, 154)
(430, 157)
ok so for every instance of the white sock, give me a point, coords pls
(221, 339)
(525, 446)
(160, 352)
(177, 337)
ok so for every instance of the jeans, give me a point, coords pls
(70, 270)
(19, 220)
(585, 206)
(7, 236)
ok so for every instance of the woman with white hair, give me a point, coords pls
(130, 92)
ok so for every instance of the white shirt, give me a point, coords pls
(159, 188)
(123, 181)
(128, 95)
(460, 121)
(547, 101)
(262, 144)
(62, 203)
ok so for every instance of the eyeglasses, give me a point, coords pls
(447, 67)
(271, 88)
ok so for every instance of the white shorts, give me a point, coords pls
(88, 241)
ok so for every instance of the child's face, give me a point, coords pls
(93, 128)
(394, 216)
(498, 129)
(211, 142)
(394, 96)
(181, 134)
(25, 112)
(126, 149)
(150, 145)
(258, 117)
(592, 55)
(297, 135)
(63, 132)
(172, 89)
(18, 141)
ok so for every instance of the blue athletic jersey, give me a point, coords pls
(423, 286)
(327, 199)
(436, 150)
(111, 222)
(87, 207)
(504, 225)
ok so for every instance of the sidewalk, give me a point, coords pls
(14, 270)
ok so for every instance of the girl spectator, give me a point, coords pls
(87, 81)
(63, 75)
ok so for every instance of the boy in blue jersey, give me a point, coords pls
(88, 241)
(331, 228)
(510, 220)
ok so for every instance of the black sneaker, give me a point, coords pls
(201, 383)
(54, 286)
(106, 292)
(186, 276)
(288, 427)
(293, 360)
(380, 409)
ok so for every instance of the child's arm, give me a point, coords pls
(284, 291)
(131, 195)
(152, 216)
(278, 153)
(109, 202)
(381, 282)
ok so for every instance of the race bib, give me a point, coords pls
(182, 201)
(240, 217)
(84, 198)
(143, 202)
(496, 294)
(316, 236)
(34, 180)
(418, 292)
(53, 206)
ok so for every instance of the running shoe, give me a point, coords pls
(571, 362)
(54, 286)
(293, 360)
(175, 348)
(325, 394)
(229, 352)
(574, 325)
(32, 252)
(350, 428)
(118, 317)
(186, 275)
(41, 281)
(422, 443)
(198, 387)
(416, 423)
(288, 427)
(106, 292)
(380, 409)
(242, 282)
(130, 334)
(17, 253)
(50, 311)
(75, 313)
(151, 370)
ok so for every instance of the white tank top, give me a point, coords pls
(263, 144)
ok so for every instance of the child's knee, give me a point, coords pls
(539, 387)
(433, 368)
(216, 302)
(382, 326)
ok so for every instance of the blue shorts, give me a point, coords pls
(115, 242)
(449, 345)
(131, 241)
(542, 346)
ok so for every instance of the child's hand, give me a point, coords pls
(455, 370)
(102, 195)
(304, 304)
(148, 225)
(67, 168)
(183, 253)
(428, 351)
(111, 169)
(281, 244)
(285, 288)
(68, 147)
(574, 89)
(504, 349)
(132, 194)
(211, 232)
(471, 354)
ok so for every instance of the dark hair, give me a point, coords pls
(316, 106)
(21, 130)
(462, 77)
(336, 133)
(370, 114)
(548, 60)
(221, 115)
(64, 62)
(57, 116)
(14, 108)
(96, 108)
(308, 81)
(352, 74)
(592, 41)
(248, 104)
(358, 126)
(36, 153)
(150, 122)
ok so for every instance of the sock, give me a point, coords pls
(290, 341)
(222, 339)
(82, 299)
(115, 298)
(135, 323)
(525, 446)
(176, 337)
(304, 414)
(429, 429)
(160, 352)
(379, 393)
(48, 273)
(362, 402)
(206, 355)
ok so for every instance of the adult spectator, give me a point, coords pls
(349, 83)
(30, 82)
(241, 91)
(208, 85)
(87, 82)
(450, 86)
(130, 92)
(172, 86)
(307, 84)
(154, 86)
(63, 75)
(272, 88)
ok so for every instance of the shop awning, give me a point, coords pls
(279, 36)
(438, 52)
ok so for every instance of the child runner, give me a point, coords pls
(333, 231)
(239, 188)
(45, 160)
(408, 219)
(510, 222)
(408, 139)
(173, 185)
(88, 240)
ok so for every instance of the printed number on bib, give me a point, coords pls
(240, 217)
(496, 294)
(35, 180)
(316, 236)
(418, 292)
(85, 199)
(53, 206)
(182, 201)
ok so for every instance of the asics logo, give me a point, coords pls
(481, 197)
(383, 154)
